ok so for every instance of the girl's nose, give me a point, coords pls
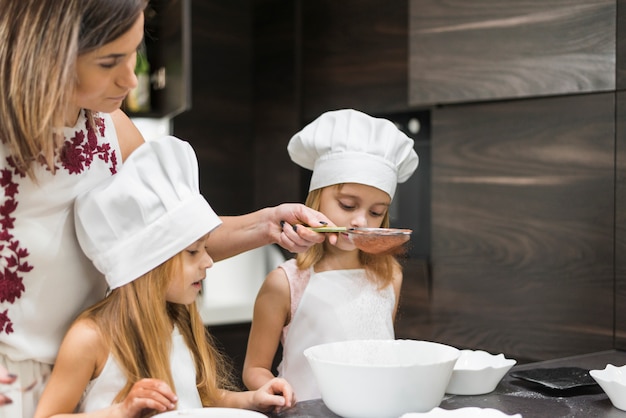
(359, 220)
(209, 261)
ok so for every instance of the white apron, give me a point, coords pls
(335, 306)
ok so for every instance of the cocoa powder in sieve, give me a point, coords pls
(378, 244)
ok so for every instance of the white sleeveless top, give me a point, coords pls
(330, 306)
(45, 279)
(101, 391)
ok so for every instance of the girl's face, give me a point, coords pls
(354, 205)
(184, 288)
(107, 74)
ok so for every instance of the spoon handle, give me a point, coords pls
(328, 228)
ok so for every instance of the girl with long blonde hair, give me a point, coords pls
(333, 291)
(144, 349)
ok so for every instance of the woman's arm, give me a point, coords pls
(280, 225)
(128, 135)
(274, 225)
(271, 313)
(5, 378)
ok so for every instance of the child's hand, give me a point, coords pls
(276, 394)
(145, 394)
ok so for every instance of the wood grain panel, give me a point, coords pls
(522, 226)
(477, 50)
(354, 54)
(276, 100)
(219, 124)
(620, 76)
(620, 223)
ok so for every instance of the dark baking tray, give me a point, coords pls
(558, 378)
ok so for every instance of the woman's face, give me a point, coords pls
(184, 288)
(354, 205)
(107, 74)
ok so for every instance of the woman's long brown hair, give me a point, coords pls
(41, 42)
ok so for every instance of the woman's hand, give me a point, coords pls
(275, 395)
(282, 225)
(7, 379)
(153, 394)
(290, 232)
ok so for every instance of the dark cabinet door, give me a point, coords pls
(466, 51)
(620, 73)
(354, 54)
(522, 225)
(620, 223)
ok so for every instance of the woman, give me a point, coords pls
(65, 68)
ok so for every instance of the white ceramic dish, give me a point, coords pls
(212, 412)
(612, 380)
(477, 372)
(381, 378)
(468, 412)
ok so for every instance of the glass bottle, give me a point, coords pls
(138, 99)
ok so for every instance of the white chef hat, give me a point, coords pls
(348, 146)
(148, 212)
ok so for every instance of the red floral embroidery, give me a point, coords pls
(76, 156)
(11, 283)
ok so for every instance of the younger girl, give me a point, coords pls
(144, 348)
(333, 292)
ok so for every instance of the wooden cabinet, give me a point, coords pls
(620, 75)
(276, 98)
(522, 226)
(354, 55)
(466, 51)
(620, 223)
(219, 123)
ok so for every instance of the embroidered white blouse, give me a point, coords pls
(45, 279)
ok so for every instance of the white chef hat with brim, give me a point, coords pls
(145, 214)
(349, 146)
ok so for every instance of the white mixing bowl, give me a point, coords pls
(612, 380)
(477, 372)
(381, 378)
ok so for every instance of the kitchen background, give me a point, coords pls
(518, 205)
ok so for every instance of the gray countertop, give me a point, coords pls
(516, 396)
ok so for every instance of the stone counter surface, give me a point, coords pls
(516, 396)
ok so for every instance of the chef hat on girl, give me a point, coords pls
(148, 212)
(348, 146)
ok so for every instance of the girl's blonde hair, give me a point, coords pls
(41, 42)
(135, 321)
(379, 267)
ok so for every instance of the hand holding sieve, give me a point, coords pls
(371, 240)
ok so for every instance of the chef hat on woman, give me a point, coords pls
(148, 212)
(348, 146)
